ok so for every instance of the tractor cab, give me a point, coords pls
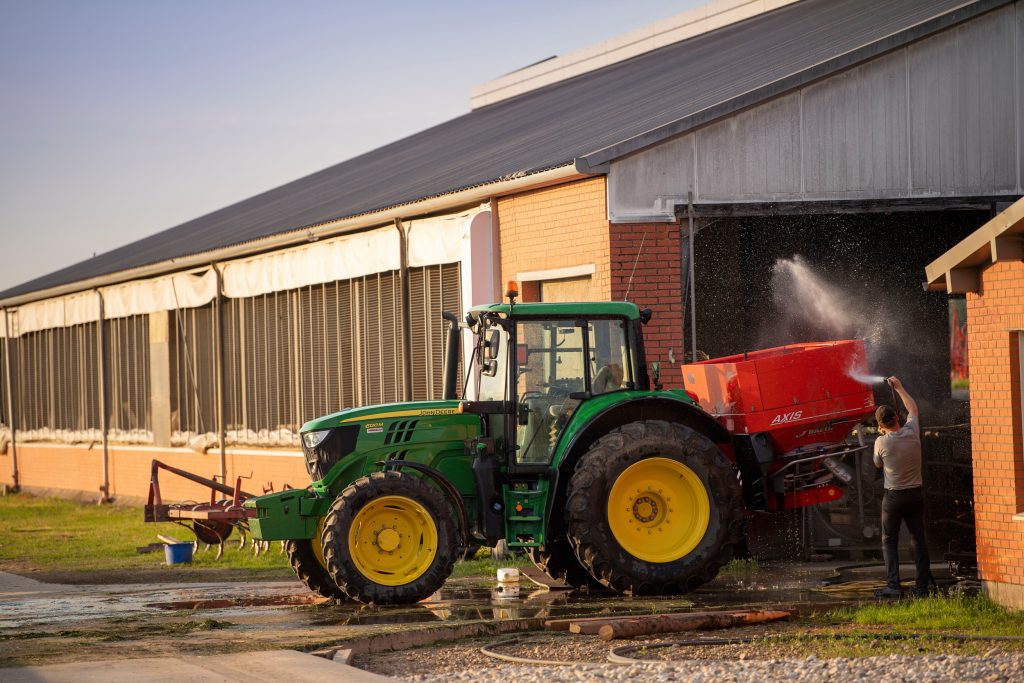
(540, 362)
(534, 367)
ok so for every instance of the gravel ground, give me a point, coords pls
(891, 668)
(862, 656)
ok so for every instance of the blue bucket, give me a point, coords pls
(178, 553)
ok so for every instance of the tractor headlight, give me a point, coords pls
(325, 447)
(314, 439)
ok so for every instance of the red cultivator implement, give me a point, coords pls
(211, 522)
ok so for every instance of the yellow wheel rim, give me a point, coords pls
(393, 540)
(658, 510)
(318, 543)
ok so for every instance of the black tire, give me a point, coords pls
(338, 524)
(559, 561)
(306, 565)
(589, 529)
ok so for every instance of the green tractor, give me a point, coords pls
(568, 449)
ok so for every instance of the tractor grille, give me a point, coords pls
(321, 459)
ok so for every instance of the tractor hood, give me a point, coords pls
(384, 411)
(346, 445)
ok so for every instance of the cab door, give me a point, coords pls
(552, 374)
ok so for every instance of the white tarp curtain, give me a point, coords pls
(181, 290)
(340, 258)
(440, 239)
(432, 241)
(59, 312)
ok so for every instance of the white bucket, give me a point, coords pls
(508, 575)
(508, 583)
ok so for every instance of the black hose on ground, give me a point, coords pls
(617, 654)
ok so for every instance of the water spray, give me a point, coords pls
(863, 378)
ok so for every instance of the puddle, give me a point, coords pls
(791, 585)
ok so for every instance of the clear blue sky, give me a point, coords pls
(121, 118)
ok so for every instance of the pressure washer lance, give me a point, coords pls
(895, 402)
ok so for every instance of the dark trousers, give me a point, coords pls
(904, 505)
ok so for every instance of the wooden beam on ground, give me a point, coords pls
(674, 623)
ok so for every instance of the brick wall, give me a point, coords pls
(567, 225)
(556, 227)
(993, 315)
(655, 285)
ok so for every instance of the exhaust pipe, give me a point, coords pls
(451, 358)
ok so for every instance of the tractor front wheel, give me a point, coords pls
(390, 539)
(654, 508)
(306, 557)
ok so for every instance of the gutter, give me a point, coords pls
(297, 236)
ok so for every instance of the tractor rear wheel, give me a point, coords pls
(306, 557)
(558, 561)
(390, 539)
(654, 508)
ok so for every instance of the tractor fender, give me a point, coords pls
(443, 483)
(663, 406)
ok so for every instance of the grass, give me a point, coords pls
(74, 542)
(482, 564)
(738, 567)
(55, 535)
(955, 614)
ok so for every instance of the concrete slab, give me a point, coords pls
(12, 584)
(250, 667)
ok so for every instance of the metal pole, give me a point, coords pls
(102, 370)
(860, 478)
(15, 476)
(693, 286)
(218, 334)
(403, 239)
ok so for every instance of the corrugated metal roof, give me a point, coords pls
(543, 129)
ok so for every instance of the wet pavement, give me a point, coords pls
(50, 622)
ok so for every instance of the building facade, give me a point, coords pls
(988, 269)
(646, 168)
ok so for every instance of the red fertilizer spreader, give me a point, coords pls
(791, 410)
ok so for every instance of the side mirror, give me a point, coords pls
(656, 375)
(490, 368)
(492, 345)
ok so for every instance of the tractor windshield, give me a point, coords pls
(558, 362)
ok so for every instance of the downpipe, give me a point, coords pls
(15, 474)
(102, 371)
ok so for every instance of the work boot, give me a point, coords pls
(888, 592)
(921, 591)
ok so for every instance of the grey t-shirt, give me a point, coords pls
(899, 453)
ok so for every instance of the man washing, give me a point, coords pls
(898, 453)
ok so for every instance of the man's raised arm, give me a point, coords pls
(907, 399)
